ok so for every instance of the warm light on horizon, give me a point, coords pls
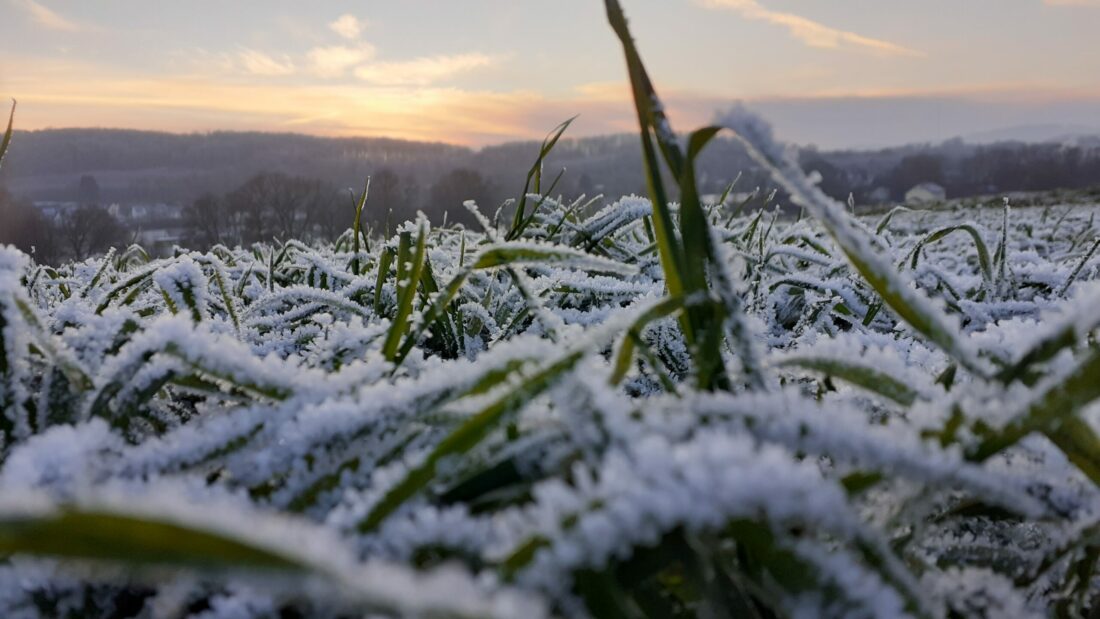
(471, 75)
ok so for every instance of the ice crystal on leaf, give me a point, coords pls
(653, 408)
(852, 477)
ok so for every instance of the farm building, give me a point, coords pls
(925, 193)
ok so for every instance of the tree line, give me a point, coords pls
(247, 187)
(276, 205)
(268, 206)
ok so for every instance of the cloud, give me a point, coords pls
(48, 18)
(357, 56)
(335, 60)
(421, 71)
(255, 62)
(1095, 3)
(348, 26)
(65, 92)
(815, 34)
(74, 93)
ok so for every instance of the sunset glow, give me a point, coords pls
(490, 71)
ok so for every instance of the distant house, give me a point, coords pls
(119, 211)
(925, 193)
(158, 211)
(53, 209)
(160, 240)
(880, 195)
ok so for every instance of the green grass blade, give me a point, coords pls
(445, 321)
(669, 247)
(625, 355)
(8, 133)
(50, 347)
(468, 435)
(535, 175)
(356, 227)
(684, 260)
(699, 253)
(911, 305)
(518, 232)
(136, 541)
(1058, 403)
(504, 255)
(984, 262)
(217, 270)
(408, 280)
(385, 258)
(1001, 259)
(868, 378)
(1077, 440)
(728, 190)
(137, 280)
(1073, 330)
(105, 263)
(1077, 270)
(885, 221)
(404, 240)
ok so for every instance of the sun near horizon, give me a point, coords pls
(854, 73)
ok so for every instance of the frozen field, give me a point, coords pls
(451, 422)
(610, 409)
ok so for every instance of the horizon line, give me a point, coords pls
(1084, 132)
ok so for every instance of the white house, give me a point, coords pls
(54, 209)
(925, 193)
(880, 195)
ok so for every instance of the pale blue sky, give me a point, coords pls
(835, 72)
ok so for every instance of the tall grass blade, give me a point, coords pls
(408, 279)
(1077, 270)
(356, 227)
(860, 375)
(908, 303)
(534, 174)
(137, 541)
(8, 133)
(468, 435)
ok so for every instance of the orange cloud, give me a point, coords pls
(61, 93)
(73, 93)
(48, 18)
(421, 71)
(335, 60)
(348, 26)
(255, 62)
(812, 33)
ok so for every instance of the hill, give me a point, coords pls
(141, 166)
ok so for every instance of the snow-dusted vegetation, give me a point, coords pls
(686, 410)
(531, 411)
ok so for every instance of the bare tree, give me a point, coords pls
(452, 189)
(88, 191)
(207, 222)
(25, 227)
(275, 205)
(89, 230)
(385, 192)
(335, 213)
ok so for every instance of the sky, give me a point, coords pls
(835, 73)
